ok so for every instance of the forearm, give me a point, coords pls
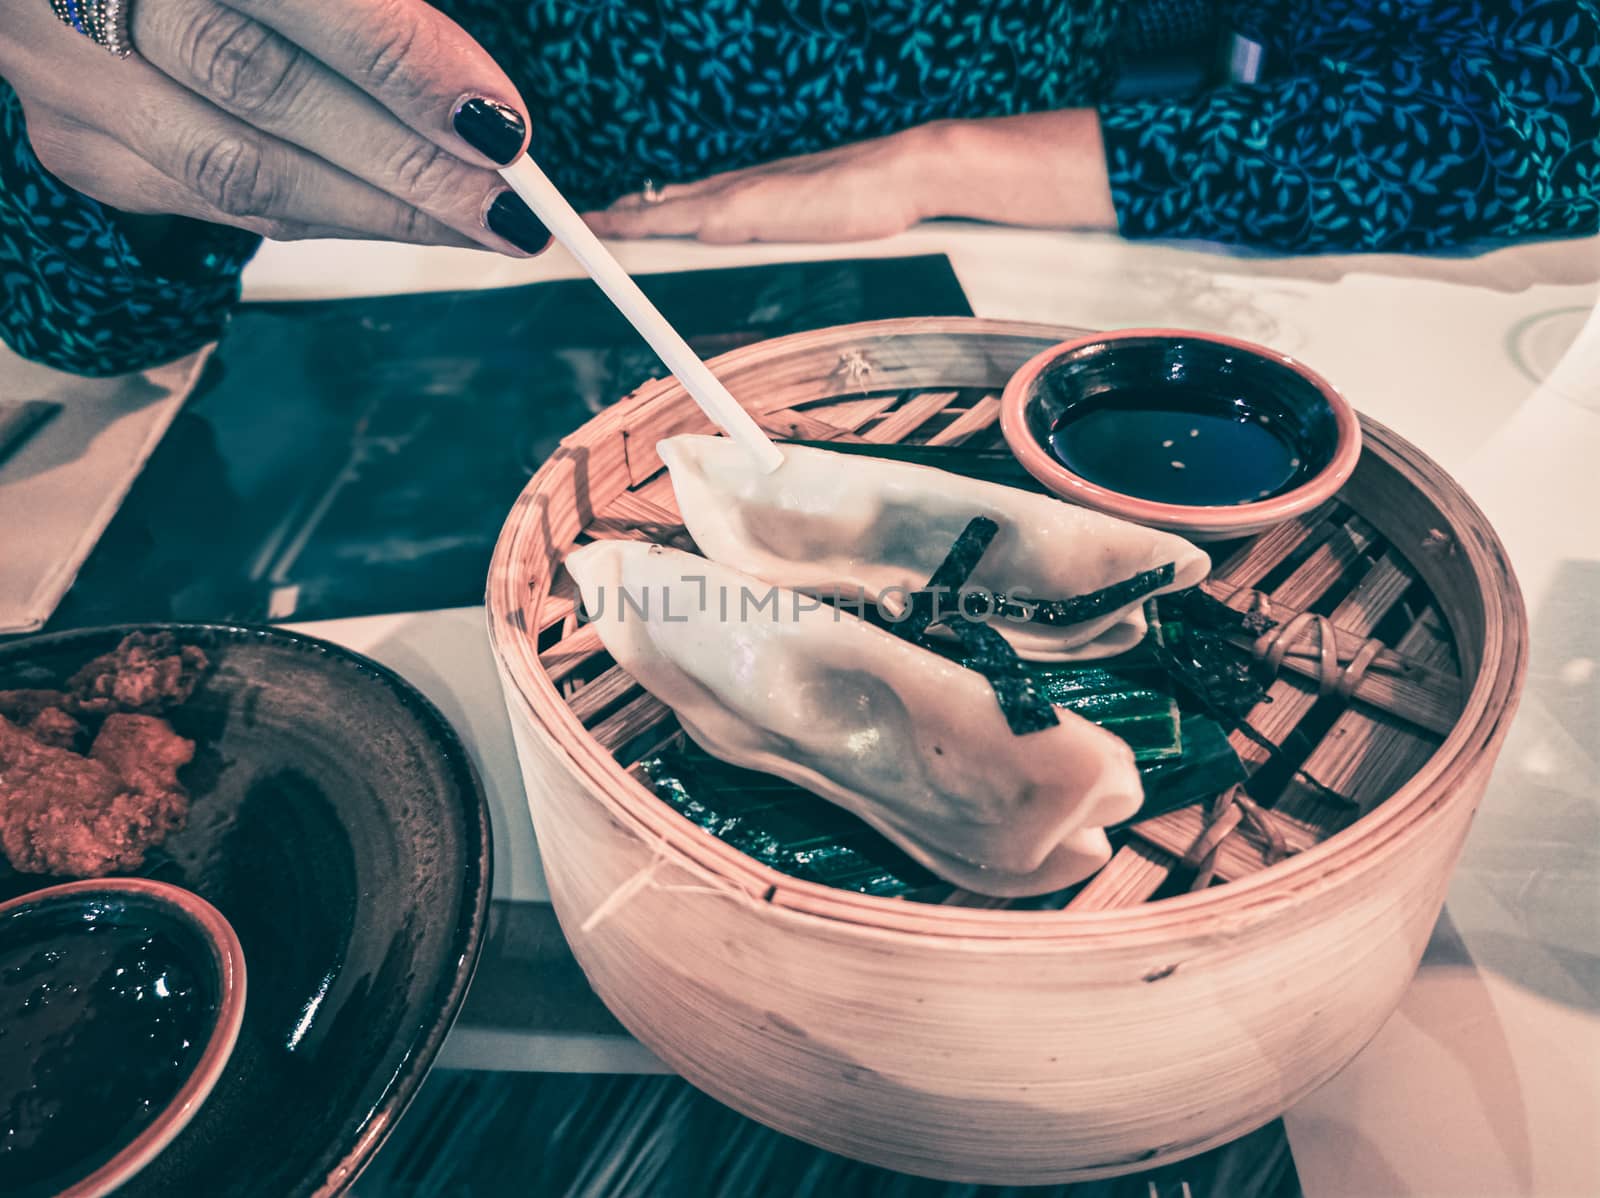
(1042, 169)
(1375, 137)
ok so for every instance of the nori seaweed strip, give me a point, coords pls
(1063, 613)
(989, 653)
(924, 606)
(1213, 688)
(1025, 709)
(998, 466)
(1204, 610)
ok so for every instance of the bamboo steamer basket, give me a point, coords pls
(968, 1041)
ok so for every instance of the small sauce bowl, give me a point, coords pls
(120, 1002)
(1205, 436)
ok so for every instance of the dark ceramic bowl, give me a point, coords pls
(206, 949)
(1138, 362)
(337, 823)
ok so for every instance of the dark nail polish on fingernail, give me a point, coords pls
(512, 219)
(492, 128)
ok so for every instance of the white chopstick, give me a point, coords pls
(564, 223)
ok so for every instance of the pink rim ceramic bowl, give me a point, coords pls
(192, 913)
(1025, 420)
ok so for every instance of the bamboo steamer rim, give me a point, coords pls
(1481, 726)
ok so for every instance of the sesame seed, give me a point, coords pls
(1194, 432)
(1166, 445)
(1177, 465)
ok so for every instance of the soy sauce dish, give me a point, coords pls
(1201, 435)
(120, 1001)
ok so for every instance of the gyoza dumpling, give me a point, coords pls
(912, 743)
(828, 520)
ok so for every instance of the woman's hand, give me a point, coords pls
(291, 118)
(1044, 169)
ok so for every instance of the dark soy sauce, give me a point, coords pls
(1178, 444)
(100, 1024)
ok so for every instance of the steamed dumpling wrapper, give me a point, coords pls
(867, 525)
(914, 744)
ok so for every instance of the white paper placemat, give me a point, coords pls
(63, 483)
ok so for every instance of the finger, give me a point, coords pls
(669, 218)
(413, 60)
(141, 109)
(243, 177)
(104, 169)
(246, 69)
(673, 192)
(247, 176)
(647, 199)
(719, 186)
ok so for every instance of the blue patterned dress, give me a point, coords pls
(1376, 125)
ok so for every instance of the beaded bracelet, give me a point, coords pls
(103, 21)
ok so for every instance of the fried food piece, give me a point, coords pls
(52, 726)
(63, 813)
(52, 805)
(46, 714)
(23, 707)
(145, 753)
(146, 672)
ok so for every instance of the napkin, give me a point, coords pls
(70, 448)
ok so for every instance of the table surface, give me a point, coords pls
(1486, 1080)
